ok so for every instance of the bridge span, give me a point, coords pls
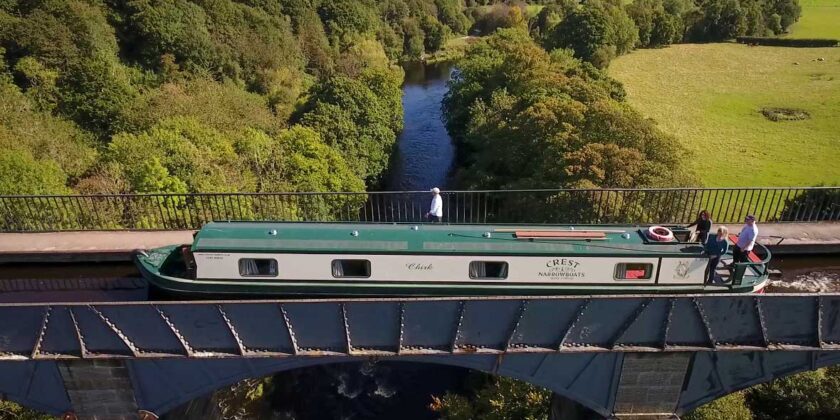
(622, 356)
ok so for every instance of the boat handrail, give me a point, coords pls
(762, 267)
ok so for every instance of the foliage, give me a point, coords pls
(560, 123)
(495, 398)
(789, 42)
(657, 27)
(296, 160)
(597, 32)
(500, 15)
(114, 96)
(24, 128)
(730, 407)
(222, 106)
(811, 205)
(21, 173)
(717, 20)
(807, 395)
(12, 411)
(360, 122)
(179, 155)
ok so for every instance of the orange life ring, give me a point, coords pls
(660, 234)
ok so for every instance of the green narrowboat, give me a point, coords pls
(266, 259)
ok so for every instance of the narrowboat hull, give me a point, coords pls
(178, 287)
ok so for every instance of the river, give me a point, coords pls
(424, 152)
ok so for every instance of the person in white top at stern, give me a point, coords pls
(746, 240)
(436, 209)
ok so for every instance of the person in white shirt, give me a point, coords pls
(746, 240)
(436, 210)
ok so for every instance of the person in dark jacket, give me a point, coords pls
(715, 247)
(704, 225)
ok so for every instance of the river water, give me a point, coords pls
(424, 153)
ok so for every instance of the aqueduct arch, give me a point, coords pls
(604, 382)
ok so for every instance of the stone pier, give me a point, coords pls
(650, 385)
(100, 390)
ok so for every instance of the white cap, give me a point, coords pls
(436, 190)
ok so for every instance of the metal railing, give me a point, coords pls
(582, 206)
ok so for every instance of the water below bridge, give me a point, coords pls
(424, 152)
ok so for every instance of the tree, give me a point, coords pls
(597, 32)
(730, 407)
(181, 155)
(451, 15)
(495, 398)
(357, 122)
(560, 122)
(657, 26)
(347, 17)
(807, 395)
(297, 160)
(12, 411)
(414, 39)
(435, 33)
(25, 127)
(178, 27)
(21, 173)
(96, 94)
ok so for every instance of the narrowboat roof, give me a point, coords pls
(366, 238)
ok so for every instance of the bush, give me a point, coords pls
(596, 32)
(495, 398)
(807, 395)
(788, 42)
(730, 407)
(812, 205)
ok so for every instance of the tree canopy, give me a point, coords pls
(559, 122)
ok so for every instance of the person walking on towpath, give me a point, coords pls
(715, 246)
(746, 240)
(436, 209)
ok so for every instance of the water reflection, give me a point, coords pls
(424, 152)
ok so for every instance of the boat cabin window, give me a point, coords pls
(633, 271)
(351, 268)
(257, 267)
(488, 270)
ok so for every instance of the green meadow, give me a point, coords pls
(820, 19)
(711, 98)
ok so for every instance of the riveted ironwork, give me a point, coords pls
(37, 348)
(579, 313)
(457, 332)
(421, 326)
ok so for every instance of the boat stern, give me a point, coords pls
(152, 261)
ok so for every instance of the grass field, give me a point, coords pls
(820, 19)
(710, 96)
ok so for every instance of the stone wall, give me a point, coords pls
(650, 385)
(99, 389)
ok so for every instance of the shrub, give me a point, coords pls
(807, 395)
(730, 407)
(789, 42)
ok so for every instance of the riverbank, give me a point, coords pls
(454, 49)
